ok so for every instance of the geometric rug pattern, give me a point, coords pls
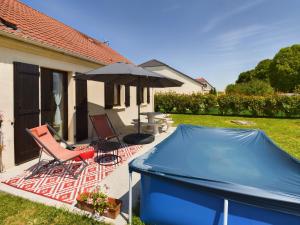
(56, 183)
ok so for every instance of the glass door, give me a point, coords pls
(54, 100)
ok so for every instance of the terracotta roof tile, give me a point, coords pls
(38, 27)
(200, 79)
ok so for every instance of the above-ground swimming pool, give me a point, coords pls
(216, 176)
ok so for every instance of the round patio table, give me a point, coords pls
(151, 116)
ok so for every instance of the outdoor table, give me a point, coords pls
(151, 116)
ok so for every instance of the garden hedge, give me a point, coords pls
(239, 105)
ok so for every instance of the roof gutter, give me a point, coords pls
(50, 47)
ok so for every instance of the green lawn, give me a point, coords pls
(18, 211)
(284, 132)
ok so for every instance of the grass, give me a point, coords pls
(18, 211)
(284, 132)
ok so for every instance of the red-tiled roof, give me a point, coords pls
(41, 29)
(201, 79)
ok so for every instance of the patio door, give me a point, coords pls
(54, 100)
(81, 110)
(26, 110)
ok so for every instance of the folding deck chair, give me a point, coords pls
(105, 132)
(47, 143)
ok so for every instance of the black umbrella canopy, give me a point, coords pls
(129, 74)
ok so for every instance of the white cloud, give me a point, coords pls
(228, 41)
(214, 22)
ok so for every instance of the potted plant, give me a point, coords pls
(97, 201)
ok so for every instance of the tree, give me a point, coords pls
(282, 72)
(213, 91)
(245, 76)
(253, 87)
(285, 69)
(262, 70)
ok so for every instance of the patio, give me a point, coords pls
(116, 178)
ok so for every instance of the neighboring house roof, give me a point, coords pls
(202, 80)
(22, 22)
(155, 63)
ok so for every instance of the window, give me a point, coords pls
(142, 96)
(117, 95)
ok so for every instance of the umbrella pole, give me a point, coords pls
(139, 104)
(139, 125)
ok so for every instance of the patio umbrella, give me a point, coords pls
(132, 75)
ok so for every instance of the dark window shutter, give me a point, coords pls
(148, 95)
(127, 95)
(26, 110)
(81, 101)
(108, 95)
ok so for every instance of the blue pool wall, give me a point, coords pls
(169, 202)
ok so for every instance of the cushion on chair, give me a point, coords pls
(87, 152)
(40, 131)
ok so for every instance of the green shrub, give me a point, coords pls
(269, 106)
(253, 87)
(297, 89)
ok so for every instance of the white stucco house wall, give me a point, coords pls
(35, 50)
(190, 85)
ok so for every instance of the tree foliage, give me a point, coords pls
(282, 72)
(285, 69)
(297, 89)
(245, 77)
(261, 71)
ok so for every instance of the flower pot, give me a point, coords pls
(84, 206)
(115, 210)
(111, 212)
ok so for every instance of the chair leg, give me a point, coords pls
(84, 163)
(117, 156)
(120, 145)
(68, 170)
(37, 168)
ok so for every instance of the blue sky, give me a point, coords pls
(216, 39)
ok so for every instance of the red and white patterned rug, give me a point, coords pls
(57, 184)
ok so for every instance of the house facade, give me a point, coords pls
(39, 58)
(207, 87)
(189, 84)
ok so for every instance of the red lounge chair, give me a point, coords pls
(50, 146)
(86, 152)
(105, 132)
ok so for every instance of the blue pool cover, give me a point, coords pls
(242, 165)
